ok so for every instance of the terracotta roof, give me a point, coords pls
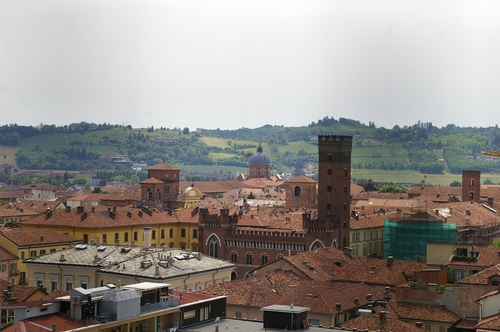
(369, 221)
(331, 262)
(45, 324)
(29, 237)
(261, 183)
(424, 312)
(374, 323)
(491, 322)
(163, 165)
(482, 277)
(301, 179)
(487, 256)
(283, 287)
(19, 293)
(6, 255)
(55, 294)
(466, 324)
(152, 180)
(27, 207)
(101, 218)
(41, 186)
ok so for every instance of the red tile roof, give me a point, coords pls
(301, 179)
(487, 256)
(101, 218)
(163, 165)
(152, 180)
(6, 255)
(424, 312)
(374, 323)
(283, 287)
(29, 237)
(482, 277)
(331, 262)
(489, 323)
(19, 293)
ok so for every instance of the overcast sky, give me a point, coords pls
(232, 64)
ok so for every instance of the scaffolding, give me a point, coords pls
(407, 237)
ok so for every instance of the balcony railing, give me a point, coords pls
(160, 305)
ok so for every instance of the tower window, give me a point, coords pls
(297, 191)
(471, 182)
(330, 157)
(329, 171)
(329, 189)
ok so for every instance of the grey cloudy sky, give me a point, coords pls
(233, 64)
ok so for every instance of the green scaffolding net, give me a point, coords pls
(407, 238)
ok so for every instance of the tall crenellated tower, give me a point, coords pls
(334, 184)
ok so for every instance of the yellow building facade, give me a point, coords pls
(367, 236)
(122, 225)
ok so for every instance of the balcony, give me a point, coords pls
(160, 305)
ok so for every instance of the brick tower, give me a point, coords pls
(471, 186)
(334, 184)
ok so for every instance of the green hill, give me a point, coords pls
(417, 154)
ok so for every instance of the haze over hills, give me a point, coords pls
(420, 150)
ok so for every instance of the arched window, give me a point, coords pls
(329, 189)
(471, 196)
(213, 247)
(265, 258)
(234, 257)
(329, 171)
(249, 257)
(297, 191)
(330, 157)
(149, 195)
(328, 208)
(471, 182)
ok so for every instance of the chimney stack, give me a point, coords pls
(147, 237)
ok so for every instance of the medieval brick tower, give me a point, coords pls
(471, 186)
(334, 184)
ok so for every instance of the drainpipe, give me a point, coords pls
(184, 281)
(213, 276)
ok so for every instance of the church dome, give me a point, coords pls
(259, 158)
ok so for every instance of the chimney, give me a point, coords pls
(147, 237)
(338, 306)
(390, 260)
(369, 297)
(93, 209)
(348, 251)
(356, 301)
(68, 208)
(41, 238)
(372, 269)
(382, 316)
